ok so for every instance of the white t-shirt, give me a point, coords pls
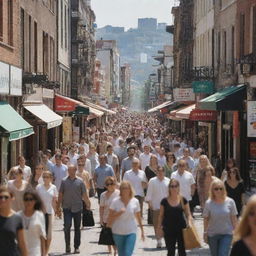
(161, 160)
(157, 190)
(185, 180)
(136, 179)
(47, 196)
(73, 159)
(26, 172)
(86, 148)
(144, 160)
(126, 223)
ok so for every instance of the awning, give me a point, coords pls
(12, 124)
(45, 114)
(96, 112)
(96, 106)
(228, 99)
(163, 105)
(185, 112)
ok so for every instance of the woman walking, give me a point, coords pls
(219, 219)
(171, 219)
(151, 170)
(235, 188)
(34, 224)
(37, 176)
(231, 163)
(170, 165)
(106, 199)
(49, 194)
(12, 241)
(245, 234)
(124, 211)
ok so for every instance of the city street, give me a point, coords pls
(90, 238)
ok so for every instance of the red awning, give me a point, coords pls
(64, 104)
(203, 115)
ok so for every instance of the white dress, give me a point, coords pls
(34, 229)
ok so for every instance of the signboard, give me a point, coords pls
(64, 105)
(251, 118)
(203, 87)
(203, 115)
(76, 133)
(183, 94)
(48, 93)
(15, 81)
(67, 129)
(4, 78)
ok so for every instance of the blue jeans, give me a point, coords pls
(220, 244)
(125, 244)
(68, 216)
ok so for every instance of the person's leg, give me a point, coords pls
(129, 244)
(49, 233)
(181, 246)
(155, 224)
(141, 200)
(213, 242)
(170, 242)
(77, 225)
(119, 241)
(224, 245)
(67, 226)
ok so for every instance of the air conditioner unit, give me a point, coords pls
(246, 69)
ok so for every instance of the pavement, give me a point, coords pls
(90, 236)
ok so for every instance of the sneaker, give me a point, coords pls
(68, 250)
(76, 251)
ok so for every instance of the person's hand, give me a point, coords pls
(122, 210)
(58, 213)
(142, 236)
(159, 231)
(205, 238)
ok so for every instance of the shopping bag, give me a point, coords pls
(191, 238)
(88, 220)
(106, 237)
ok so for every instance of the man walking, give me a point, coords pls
(145, 157)
(72, 193)
(127, 162)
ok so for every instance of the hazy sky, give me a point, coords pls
(124, 13)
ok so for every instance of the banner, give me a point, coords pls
(67, 130)
(251, 118)
(203, 87)
(183, 94)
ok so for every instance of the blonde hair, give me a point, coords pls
(48, 173)
(209, 165)
(217, 182)
(125, 184)
(111, 179)
(243, 228)
(171, 182)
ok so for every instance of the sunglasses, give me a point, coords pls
(29, 199)
(174, 186)
(216, 189)
(4, 197)
(109, 184)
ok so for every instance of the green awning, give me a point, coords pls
(12, 125)
(228, 99)
(80, 110)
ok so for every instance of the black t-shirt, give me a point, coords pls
(149, 173)
(240, 249)
(236, 194)
(173, 219)
(8, 235)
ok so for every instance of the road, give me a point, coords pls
(89, 244)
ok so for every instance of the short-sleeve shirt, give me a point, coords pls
(73, 191)
(219, 215)
(59, 172)
(126, 223)
(126, 164)
(102, 172)
(9, 226)
(185, 180)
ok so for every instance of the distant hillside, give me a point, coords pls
(137, 46)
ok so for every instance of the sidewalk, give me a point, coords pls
(90, 236)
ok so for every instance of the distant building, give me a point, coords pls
(161, 26)
(147, 24)
(125, 80)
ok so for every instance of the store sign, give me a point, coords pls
(4, 78)
(203, 87)
(67, 129)
(251, 118)
(15, 81)
(203, 115)
(48, 93)
(64, 105)
(183, 94)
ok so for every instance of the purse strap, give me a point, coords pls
(183, 208)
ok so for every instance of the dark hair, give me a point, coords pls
(170, 154)
(131, 147)
(229, 161)
(238, 177)
(38, 202)
(109, 146)
(58, 155)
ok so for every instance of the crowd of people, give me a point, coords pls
(134, 162)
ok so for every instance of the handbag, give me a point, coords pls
(150, 217)
(106, 236)
(91, 192)
(190, 234)
(88, 220)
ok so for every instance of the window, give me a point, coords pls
(35, 47)
(242, 34)
(224, 49)
(22, 35)
(218, 60)
(1, 20)
(233, 49)
(10, 22)
(45, 53)
(254, 30)
(29, 43)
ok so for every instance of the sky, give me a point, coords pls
(125, 13)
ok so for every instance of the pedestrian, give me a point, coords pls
(18, 187)
(138, 180)
(127, 162)
(106, 199)
(245, 233)
(12, 241)
(48, 164)
(71, 194)
(190, 161)
(103, 171)
(33, 223)
(84, 145)
(186, 182)
(145, 157)
(235, 188)
(121, 150)
(170, 165)
(112, 160)
(124, 211)
(171, 218)
(161, 157)
(93, 156)
(59, 171)
(49, 196)
(73, 156)
(157, 190)
(36, 177)
(230, 164)
(151, 169)
(219, 219)
(25, 169)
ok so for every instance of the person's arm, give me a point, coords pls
(138, 217)
(188, 214)
(95, 180)
(87, 200)
(113, 215)
(149, 195)
(42, 242)
(193, 189)
(160, 221)
(206, 225)
(234, 221)
(101, 214)
(58, 210)
(21, 242)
